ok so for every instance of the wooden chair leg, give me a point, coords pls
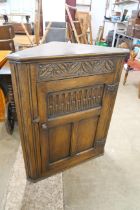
(125, 77)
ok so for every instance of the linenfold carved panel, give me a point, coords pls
(60, 70)
(69, 101)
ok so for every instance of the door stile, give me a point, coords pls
(109, 97)
(43, 128)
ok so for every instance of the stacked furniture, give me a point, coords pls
(121, 26)
(3, 59)
(17, 26)
(133, 28)
(6, 43)
(6, 37)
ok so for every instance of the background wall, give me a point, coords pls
(4, 7)
(54, 10)
(98, 12)
(18, 6)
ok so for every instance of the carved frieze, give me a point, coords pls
(70, 101)
(60, 70)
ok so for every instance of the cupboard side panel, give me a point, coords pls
(26, 117)
(17, 96)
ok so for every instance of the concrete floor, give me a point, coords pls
(110, 182)
(8, 150)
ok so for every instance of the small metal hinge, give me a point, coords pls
(36, 120)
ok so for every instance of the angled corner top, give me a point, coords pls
(63, 49)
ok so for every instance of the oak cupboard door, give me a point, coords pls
(65, 131)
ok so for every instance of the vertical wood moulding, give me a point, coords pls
(26, 115)
(23, 84)
(106, 112)
(34, 114)
(43, 134)
(119, 68)
(17, 96)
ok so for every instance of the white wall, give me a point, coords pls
(54, 10)
(18, 6)
(97, 12)
(4, 8)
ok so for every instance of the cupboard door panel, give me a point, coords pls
(59, 142)
(86, 134)
(70, 116)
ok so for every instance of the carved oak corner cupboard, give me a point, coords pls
(64, 95)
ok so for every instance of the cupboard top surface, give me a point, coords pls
(63, 49)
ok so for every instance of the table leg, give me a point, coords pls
(126, 75)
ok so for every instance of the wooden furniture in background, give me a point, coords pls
(38, 25)
(70, 35)
(8, 111)
(67, 92)
(85, 21)
(79, 26)
(3, 59)
(6, 37)
(7, 17)
(133, 65)
(7, 45)
(2, 105)
(7, 32)
(19, 29)
(75, 25)
(3, 56)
